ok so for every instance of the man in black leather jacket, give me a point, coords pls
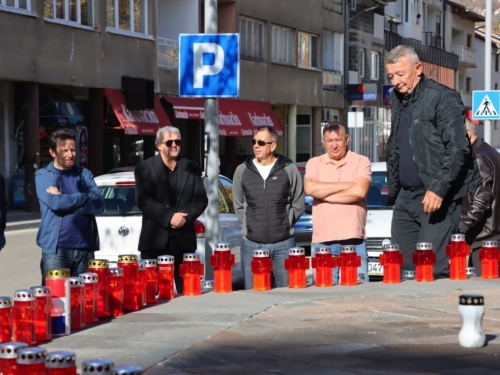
(430, 164)
(481, 209)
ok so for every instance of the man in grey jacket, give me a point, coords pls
(268, 198)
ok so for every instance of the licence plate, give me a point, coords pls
(375, 269)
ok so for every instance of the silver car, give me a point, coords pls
(120, 223)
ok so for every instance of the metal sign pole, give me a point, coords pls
(487, 66)
(212, 171)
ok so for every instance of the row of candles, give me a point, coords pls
(16, 358)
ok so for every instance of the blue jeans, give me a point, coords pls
(278, 252)
(77, 261)
(336, 245)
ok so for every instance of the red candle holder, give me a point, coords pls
(166, 281)
(60, 363)
(99, 366)
(31, 361)
(296, 264)
(141, 284)
(101, 268)
(5, 319)
(222, 261)
(261, 268)
(130, 268)
(58, 282)
(115, 291)
(458, 251)
(424, 259)
(23, 317)
(151, 280)
(191, 271)
(324, 262)
(392, 259)
(91, 287)
(127, 370)
(43, 319)
(489, 256)
(8, 357)
(348, 261)
(77, 302)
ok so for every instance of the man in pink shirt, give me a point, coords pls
(339, 182)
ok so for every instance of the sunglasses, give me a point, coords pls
(170, 141)
(260, 143)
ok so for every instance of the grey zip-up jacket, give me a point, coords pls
(268, 209)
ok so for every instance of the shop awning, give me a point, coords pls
(237, 118)
(143, 122)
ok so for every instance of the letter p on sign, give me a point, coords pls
(209, 65)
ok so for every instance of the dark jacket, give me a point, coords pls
(438, 140)
(481, 209)
(268, 209)
(154, 202)
(54, 206)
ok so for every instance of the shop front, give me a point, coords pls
(129, 135)
(238, 120)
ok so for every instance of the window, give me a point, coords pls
(128, 15)
(336, 6)
(469, 40)
(76, 11)
(308, 50)
(16, 4)
(282, 45)
(374, 65)
(496, 62)
(251, 38)
(468, 84)
(438, 23)
(416, 12)
(361, 63)
(333, 51)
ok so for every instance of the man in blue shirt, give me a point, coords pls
(69, 200)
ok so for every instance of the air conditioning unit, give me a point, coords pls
(330, 115)
(370, 112)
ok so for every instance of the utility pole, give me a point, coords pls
(212, 171)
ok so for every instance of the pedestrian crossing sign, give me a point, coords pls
(486, 105)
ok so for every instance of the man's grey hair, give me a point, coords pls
(397, 52)
(470, 126)
(166, 129)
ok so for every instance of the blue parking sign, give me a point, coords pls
(209, 65)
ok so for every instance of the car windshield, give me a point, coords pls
(377, 195)
(119, 200)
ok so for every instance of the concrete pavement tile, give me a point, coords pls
(469, 371)
(163, 370)
(482, 360)
(279, 366)
(404, 366)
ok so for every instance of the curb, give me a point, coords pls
(20, 225)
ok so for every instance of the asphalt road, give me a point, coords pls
(19, 262)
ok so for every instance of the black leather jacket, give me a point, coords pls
(481, 209)
(438, 140)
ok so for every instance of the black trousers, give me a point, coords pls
(410, 225)
(176, 248)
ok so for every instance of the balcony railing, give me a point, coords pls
(168, 53)
(466, 98)
(432, 39)
(466, 55)
(332, 80)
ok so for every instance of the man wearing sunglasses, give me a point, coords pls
(268, 198)
(171, 195)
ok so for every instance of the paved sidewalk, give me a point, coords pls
(374, 328)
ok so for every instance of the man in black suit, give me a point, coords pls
(171, 195)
